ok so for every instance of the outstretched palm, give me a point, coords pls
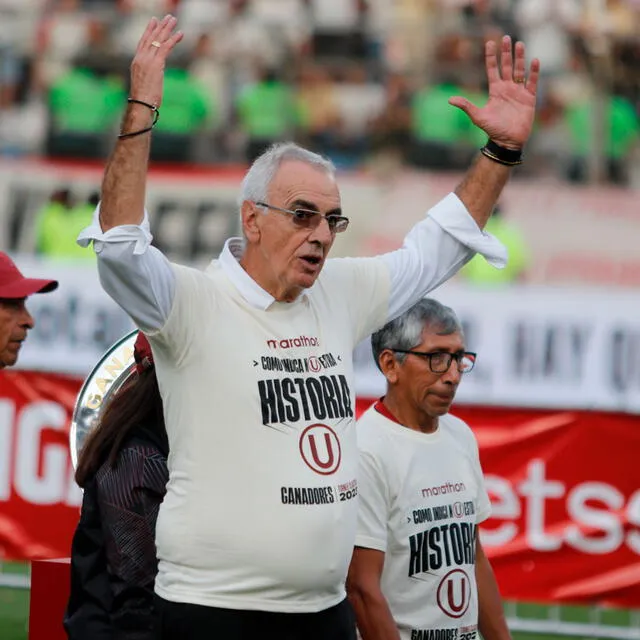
(507, 118)
(147, 67)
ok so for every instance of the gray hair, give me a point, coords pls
(405, 332)
(255, 184)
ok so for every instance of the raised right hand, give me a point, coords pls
(147, 67)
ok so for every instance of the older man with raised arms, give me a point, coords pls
(254, 359)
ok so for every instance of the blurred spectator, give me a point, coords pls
(23, 116)
(287, 20)
(186, 108)
(390, 128)
(133, 18)
(267, 113)
(490, 19)
(457, 57)
(99, 53)
(9, 57)
(359, 102)
(411, 27)
(84, 109)
(207, 69)
(20, 118)
(197, 17)
(547, 149)
(440, 132)
(23, 128)
(479, 272)
(64, 34)
(621, 132)
(319, 111)
(547, 27)
(339, 28)
(59, 223)
(617, 18)
(246, 44)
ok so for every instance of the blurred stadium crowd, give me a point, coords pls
(361, 81)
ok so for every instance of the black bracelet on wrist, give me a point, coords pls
(144, 104)
(156, 115)
(502, 155)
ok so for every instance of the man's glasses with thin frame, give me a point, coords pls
(307, 219)
(440, 361)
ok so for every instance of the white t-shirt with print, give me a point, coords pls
(421, 497)
(259, 404)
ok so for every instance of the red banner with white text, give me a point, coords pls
(39, 500)
(565, 488)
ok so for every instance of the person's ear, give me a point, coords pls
(389, 366)
(250, 214)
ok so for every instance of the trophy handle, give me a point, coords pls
(111, 372)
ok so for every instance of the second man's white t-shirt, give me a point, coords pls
(421, 498)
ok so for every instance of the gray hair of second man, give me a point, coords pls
(255, 185)
(406, 331)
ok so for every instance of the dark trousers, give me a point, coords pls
(179, 621)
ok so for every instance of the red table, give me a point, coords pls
(49, 595)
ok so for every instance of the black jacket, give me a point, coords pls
(113, 555)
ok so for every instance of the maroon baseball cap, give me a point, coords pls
(14, 285)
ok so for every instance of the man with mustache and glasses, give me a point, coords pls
(15, 320)
(418, 570)
(254, 359)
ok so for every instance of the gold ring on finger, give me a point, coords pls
(519, 80)
(156, 44)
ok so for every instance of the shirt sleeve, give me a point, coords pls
(136, 275)
(434, 250)
(373, 504)
(129, 496)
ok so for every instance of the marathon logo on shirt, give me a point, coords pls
(447, 487)
(293, 343)
(288, 400)
(442, 546)
(434, 634)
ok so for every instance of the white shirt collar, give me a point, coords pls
(249, 289)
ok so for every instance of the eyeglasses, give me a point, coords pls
(440, 361)
(307, 219)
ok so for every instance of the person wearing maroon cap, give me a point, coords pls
(15, 320)
(122, 468)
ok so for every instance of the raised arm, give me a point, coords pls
(137, 276)
(507, 119)
(439, 245)
(125, 177)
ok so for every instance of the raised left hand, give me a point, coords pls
(507, 118)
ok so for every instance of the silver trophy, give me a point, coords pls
(108, 376)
